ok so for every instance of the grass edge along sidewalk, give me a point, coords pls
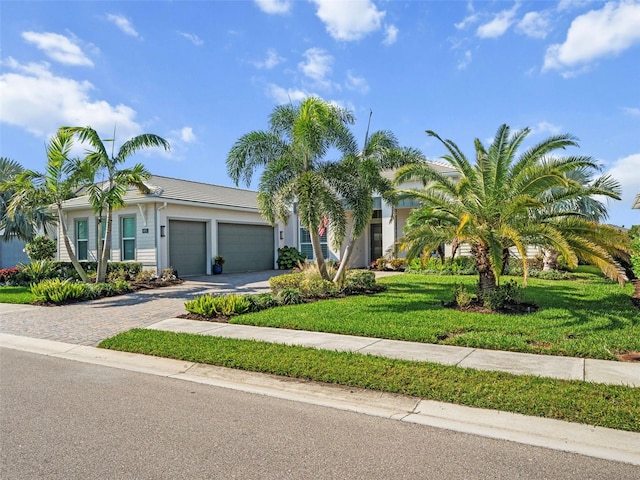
(608, 406)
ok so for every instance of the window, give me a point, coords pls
(82, 239)
(128, 234)
(305, 244)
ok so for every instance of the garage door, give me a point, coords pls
(188, 247)
(246, 248)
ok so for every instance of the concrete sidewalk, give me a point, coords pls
(566, 368)
(588, 440)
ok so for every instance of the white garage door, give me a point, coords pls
(188, 247)
(246, 248)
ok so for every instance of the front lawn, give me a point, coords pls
(586, 317)
(595, 404)
(21, 295)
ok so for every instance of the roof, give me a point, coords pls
(166, 189)
(636, 202)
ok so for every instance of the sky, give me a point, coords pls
(203, 73)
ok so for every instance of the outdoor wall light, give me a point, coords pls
(162, 231)
(281, 235)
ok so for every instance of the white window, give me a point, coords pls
(305, 244)
(128, 238)
(82, 239)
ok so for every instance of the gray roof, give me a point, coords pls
(166, 189)
(636, 202)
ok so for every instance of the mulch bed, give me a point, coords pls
(510, 309)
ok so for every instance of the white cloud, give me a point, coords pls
(466, 60)
(595, 34)
(38, 101)
(58, 47)
(187, 135)
(272, 60)
(123, 23)
(350, 20)
(498, 25)
(627, 171)
(391, 35)
(546, 128)
(534, 25)
(631, 111)
(358, 84)
(571, 4)
(285, 95)
(317, 66)
(274, 7)
(197, 41)
(472, 17)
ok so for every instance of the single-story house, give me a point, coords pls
(180, 224)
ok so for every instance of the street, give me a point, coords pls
(70, 420)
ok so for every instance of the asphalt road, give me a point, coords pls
(71, 420)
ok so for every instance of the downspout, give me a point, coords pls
(159, 239)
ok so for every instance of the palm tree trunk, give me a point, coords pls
(317, 253)
(550, 260)
(67, 246)
(346, 256)
(102, 262)
(487, 278)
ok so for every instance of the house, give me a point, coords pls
(12, 252)
(636, 202)
(180, 224)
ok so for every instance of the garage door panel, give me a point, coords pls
(246, 248)
(188, 247)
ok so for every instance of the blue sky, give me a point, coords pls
(203, 73)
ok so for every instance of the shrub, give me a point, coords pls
(281, 282)
(212, 306)
(461, 295)
(289, 296)
(313, 286)
(169, 273)
(381, 263)
(58, 291)
(635, 256)
(433, 266)
(144, 276)
(8, 275)
(41, 248)
(289, 257)
(37, 271)
(397, 263)
(261, 301)
(360, 281)
(507, 293)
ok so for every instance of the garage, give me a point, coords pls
(246, 248)
(188, 247)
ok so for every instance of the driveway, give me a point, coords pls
(88, 323)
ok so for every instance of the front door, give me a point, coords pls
(375, 236)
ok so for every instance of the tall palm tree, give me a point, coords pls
(23, 219)
(54, 186)
(358, 178)
(292, 154)
(107, 184)
(496, 205)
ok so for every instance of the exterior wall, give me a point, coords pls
(11, 253)
(152, 221)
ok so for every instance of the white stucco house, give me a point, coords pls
(180, 224)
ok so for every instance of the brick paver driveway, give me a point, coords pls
(88, 323)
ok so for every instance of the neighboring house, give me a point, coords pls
(180, 224)
(12, 253)
(636, 202)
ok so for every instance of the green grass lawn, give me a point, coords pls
(603, 405)
(20, 295)
(586, 317)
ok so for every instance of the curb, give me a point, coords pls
(599, 442)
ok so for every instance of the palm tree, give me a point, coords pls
(291, 152)
(357, 178)
(496, 205)
(23, 219)
(106, 194)
(52, 187)
(581, 197)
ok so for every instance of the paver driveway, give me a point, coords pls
(88, 323)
